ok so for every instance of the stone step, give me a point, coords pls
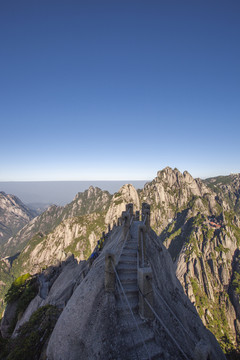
(132, 287)
(128, 260)
(127, 265)
(124, 269)
(123, 307)
(130, 247)
(132, 241)
(128, 324)
(130, 256)
(129, 250)
(128, 278)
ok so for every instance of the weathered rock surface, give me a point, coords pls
(170, 191)
(87, 202)
(204, 260)
(126, 195)
(56, 286)
(78, 235)
(228, 189)
(13, 216)
(91, 317)
(205, 257)
(9, 315)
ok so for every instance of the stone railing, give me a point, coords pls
(144, 271)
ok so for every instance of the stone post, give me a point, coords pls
(129, 208)
(146, 292)
(125, 222)
(109, 272)
(142, 244)
(146, 214)
(119, 222)
(109, 228)
(137, 215)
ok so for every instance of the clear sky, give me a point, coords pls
(118, 89)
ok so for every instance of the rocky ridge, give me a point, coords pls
(90, 201)
(126, 195)
(77, 235)
(203, 238)
(228, 189)
(205, 257)
(13, 216)
(90, 316)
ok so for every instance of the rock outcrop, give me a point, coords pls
(89, 324)
(197, 221)
(87, 202)
(13, 216)
(204, 252)
(127, 194)
(78, 236)
(169, 192)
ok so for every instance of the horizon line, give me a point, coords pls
(1, 181)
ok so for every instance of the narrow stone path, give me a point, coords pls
(127, 270)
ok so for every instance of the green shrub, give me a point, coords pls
(33, 335)
(22, 290)
(17, 288)
(236, 282)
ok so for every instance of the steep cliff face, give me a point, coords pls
(5, 279)
(197, 221)
(51, 236)
(204, 247)
(43, 223)
(78, 236)
(199, 225)
(228, 189)
(89, 319)
(13, 216)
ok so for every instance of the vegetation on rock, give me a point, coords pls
(32, 337)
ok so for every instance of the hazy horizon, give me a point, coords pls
(59, 192)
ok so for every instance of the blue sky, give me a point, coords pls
(119, 89)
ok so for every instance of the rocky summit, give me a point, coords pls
(191, 236)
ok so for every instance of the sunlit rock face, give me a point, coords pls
(127, 194)
(13, 216)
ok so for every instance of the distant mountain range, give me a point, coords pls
(37, 194)
(197, 221)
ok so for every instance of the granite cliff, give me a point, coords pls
(197, 221)
(87, 202)
(89, 321)
(13, 216)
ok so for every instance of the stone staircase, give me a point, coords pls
(132, 340)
